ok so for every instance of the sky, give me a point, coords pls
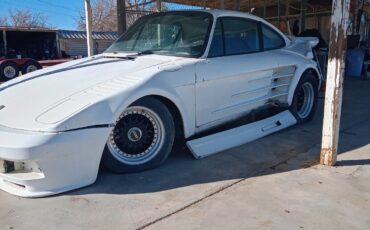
(62, 14)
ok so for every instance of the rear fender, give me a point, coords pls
(297, 77)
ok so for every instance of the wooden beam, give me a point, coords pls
(121, 17)
(334, 81)
(90, 46)
(222, 4)
(228, 4)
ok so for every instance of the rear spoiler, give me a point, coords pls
(303, 46)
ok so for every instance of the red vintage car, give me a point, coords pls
(11, 67)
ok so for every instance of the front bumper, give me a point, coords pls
(49, 163)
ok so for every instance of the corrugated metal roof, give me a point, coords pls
(26, 29)
(74, 34)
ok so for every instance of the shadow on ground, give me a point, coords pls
(258, 157)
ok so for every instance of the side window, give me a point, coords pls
(271, 39)
(217, 45)
(241, 36)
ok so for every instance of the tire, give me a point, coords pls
(8, 71)
(141, 139)
(30, 66)
(305, 98)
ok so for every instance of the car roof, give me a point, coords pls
(232, 13)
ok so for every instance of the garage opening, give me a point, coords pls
(36, 45)
(39, 45)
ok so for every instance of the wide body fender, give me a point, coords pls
(302, 65)
(297, 77)
(175, 83)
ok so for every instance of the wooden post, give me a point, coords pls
(121, 16)
(354, 16)
(159, 5)
(90, 46)
(222, 4)
(159, 8)
(59, 53)
(303, 15)
(237, 5)
(264, 8)
(334, 81)
(5, 43)
(287, 24)
(278, 5)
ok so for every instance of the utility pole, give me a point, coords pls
(121, 16)
(90, 48)
(334, 81)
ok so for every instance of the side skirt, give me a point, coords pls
(218, 142)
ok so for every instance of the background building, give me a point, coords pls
(44, 44)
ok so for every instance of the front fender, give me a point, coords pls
(175, 95)
(99, 114)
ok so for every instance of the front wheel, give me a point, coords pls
(305, 98)
(141, 139)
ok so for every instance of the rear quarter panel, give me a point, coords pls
(288, 58)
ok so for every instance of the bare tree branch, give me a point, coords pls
(104, 13)
(104, 16)
(25, 18)
(3, 21)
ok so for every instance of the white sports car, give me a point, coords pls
(175, 74)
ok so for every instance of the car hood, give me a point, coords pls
(26, 100)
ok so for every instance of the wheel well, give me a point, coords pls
(175, 112)
(8, 61)
(314, 73)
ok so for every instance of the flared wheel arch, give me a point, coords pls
(175, 112)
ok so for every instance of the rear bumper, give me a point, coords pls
(49, 163)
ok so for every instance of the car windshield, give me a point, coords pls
(173, 33)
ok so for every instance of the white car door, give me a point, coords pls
(236, 76)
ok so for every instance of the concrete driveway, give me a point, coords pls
(184, 190)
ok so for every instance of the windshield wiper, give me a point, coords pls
(129, 56)
(145, 52)
(118, 55)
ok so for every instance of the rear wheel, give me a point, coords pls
(141, 139)
(8, 70)
(305, 98)
(30, 66)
